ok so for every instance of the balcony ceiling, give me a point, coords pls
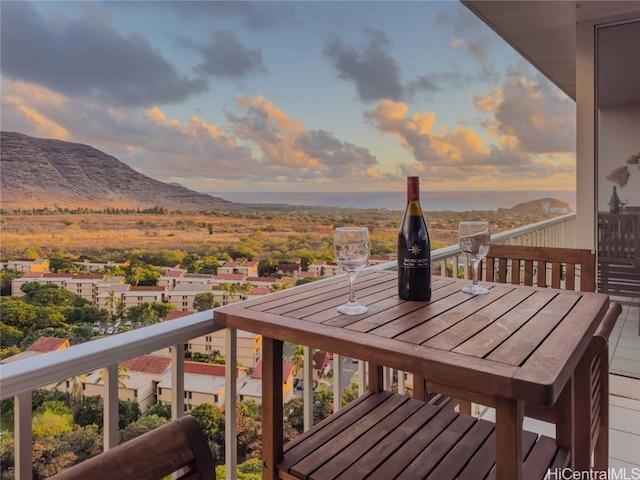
(544, 32)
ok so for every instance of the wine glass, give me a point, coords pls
(351, 252)
(623, 201)
(474, 239)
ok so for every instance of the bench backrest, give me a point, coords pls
(179, 446)
(567, 268)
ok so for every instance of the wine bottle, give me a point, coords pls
(414, 249)
(614, 203)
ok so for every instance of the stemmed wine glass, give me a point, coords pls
(351, 252)
(623, 201)
(474, 239)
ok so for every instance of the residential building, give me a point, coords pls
(28, 265)
(183, 296)
(203, 383)
(139, 295)
(252, 388)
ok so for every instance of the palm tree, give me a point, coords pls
(121, 309)
(245, 289)
(148, 315)
(228, 290)
(122, 375)
(279, 286)
(75, 394)
(112, 301)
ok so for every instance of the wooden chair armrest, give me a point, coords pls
(609, 321)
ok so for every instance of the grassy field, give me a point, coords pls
(268, 231)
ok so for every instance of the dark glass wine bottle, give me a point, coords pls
(414, 249)
(614, 203)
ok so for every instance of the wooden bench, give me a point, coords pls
(383, 435)
(179, 446)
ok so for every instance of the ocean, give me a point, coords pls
(458, 201)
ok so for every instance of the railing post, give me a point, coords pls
(307, 391)
(177, 381)
(362, 376)
(230, 424)
(337, 376)
(111, 416)
(23, 436)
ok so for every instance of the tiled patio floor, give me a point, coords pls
(624, 387)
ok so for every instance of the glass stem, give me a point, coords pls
(475, 272)
(352, 290)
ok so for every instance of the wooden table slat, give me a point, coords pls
(443, 316)
(531, 334)
(472, 325)
(381, 452)
(482, 344)
(451, 466)
(348, 433)
(404, 309)
(336, 292)
(431, 456)
(408, 451)
(354, 451)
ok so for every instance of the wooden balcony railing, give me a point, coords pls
(19, 379)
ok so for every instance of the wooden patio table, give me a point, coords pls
(517, 345)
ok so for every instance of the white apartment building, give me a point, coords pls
(183, 296)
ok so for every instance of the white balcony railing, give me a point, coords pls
(21, 378)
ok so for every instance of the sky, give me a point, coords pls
(287, 96)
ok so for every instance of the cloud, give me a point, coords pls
(469, 33)
(225, 57)
(295, 153)
(533, 128)
(416, 133)
(530, 115)
(88, 58)
(373, 70)
(262, 146)
(255, 15)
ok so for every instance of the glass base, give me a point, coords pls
(352, 308)
(475, 290)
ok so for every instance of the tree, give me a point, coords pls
(228, 290)
(128, 412)
(51, 296)
(244, 289)
(60, 265)
(10, 335)
(112, 301)
(90, 412)
(211, 420)
(143, 314)
(75, 383)
(322, 408)
(143, 425)
(209, 265)
(160, 410)
(6, 276)
(88, 314)
(267, 267)
(52, 419)
(203, 301)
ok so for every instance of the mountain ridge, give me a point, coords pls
(41, 173)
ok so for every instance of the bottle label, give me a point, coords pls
(413, 257)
